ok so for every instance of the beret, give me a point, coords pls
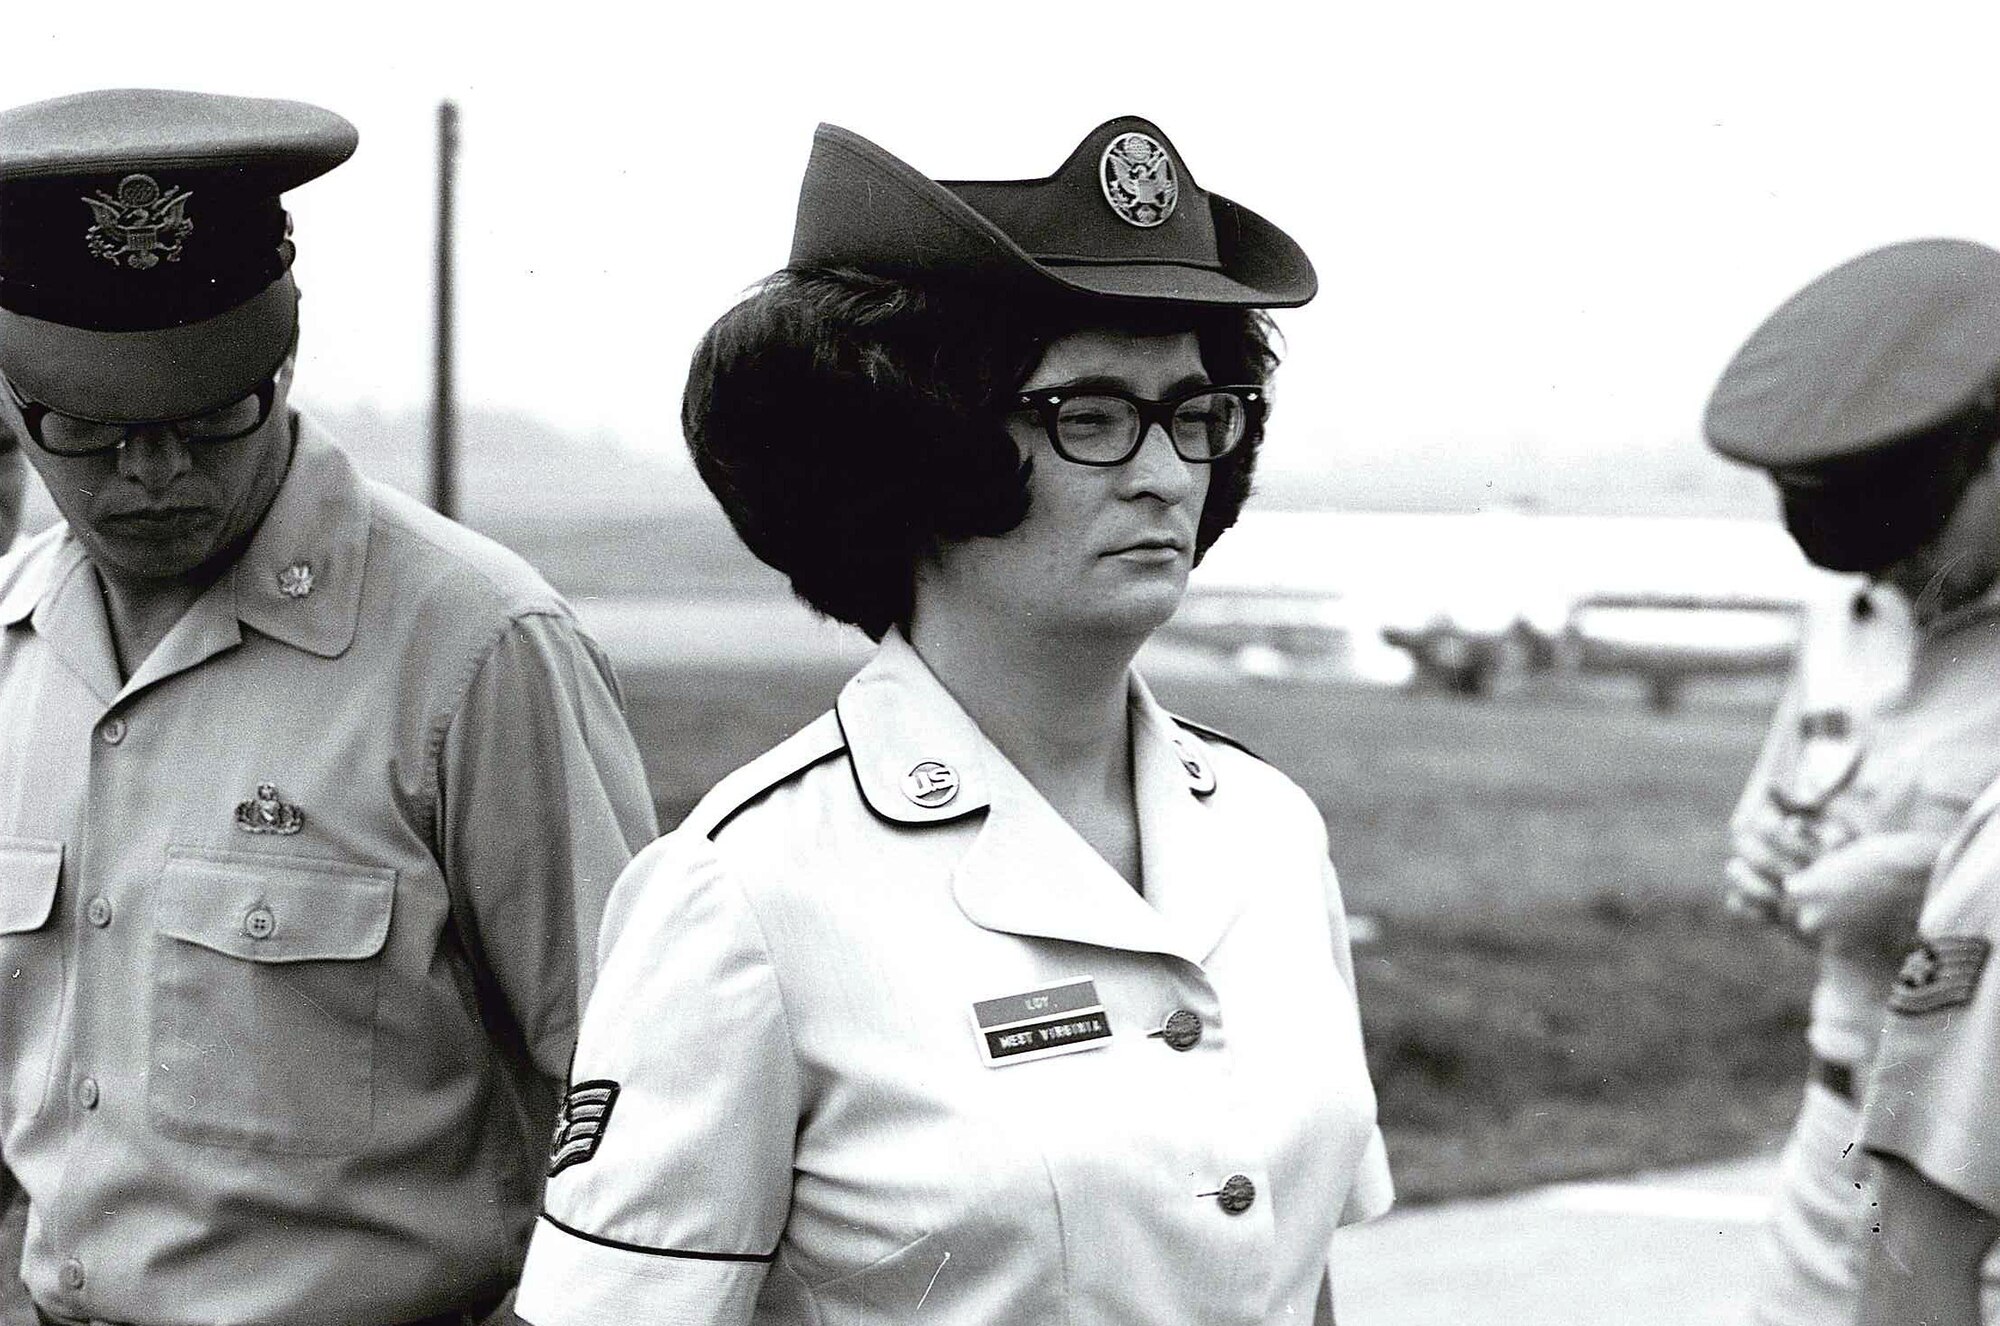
(1122, 218)
(144, 252)
(1867, 358)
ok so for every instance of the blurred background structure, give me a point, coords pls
(1495, 607)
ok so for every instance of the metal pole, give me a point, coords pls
(444, 405)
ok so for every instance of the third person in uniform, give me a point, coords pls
(1869, 397)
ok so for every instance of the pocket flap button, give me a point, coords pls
(259, 922)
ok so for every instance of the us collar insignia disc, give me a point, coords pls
(1138, 179)
(1939, 973)
(265, 813)
(580, 1123)
(931, 784)
(1056, 1019)
(141, 225)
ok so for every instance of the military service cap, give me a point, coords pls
(1879, 350)
(145, 259)
(1123, 217)
(1869, 396)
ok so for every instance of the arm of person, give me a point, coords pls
(1932, 1108)
(542, 802)
(1765, 842)
(672, 1168)
(1372, 1191)
(1923, 1269)
(16, 1307)
(1868, 891)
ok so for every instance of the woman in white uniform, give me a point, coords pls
(998, 994)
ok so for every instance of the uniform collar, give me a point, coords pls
(314, 538)
(898, 719)
(30, 570)
(1028, 872)
(299, 581)
(1980, 609)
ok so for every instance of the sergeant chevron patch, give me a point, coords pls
(580, 1123)
(1939, 973)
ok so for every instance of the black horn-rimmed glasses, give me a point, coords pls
(1096, 426)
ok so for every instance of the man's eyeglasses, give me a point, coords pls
(73, 435)
(1094, 426)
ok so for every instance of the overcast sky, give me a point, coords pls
(1537, 226)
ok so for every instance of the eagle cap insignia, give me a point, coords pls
(1139, 180)
(265, 813)
(140, 225)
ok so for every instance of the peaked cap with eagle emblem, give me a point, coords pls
(145, 259)
(1122, 217)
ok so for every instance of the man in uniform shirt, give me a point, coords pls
(1869, 396)
(309, 798)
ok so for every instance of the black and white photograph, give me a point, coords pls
(1125, 665)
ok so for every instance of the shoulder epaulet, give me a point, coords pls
(812, 745)
(1211, 734)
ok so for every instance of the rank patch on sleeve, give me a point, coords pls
(1939, 973)
(580, 1124)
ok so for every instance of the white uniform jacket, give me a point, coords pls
(782, 1107)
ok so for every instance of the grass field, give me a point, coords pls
(1553, 992)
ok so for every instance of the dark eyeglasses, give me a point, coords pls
(73, 435)
(1093, 426)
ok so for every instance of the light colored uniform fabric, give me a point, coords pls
(1852, 663)
(806, 1130)
(1935, 1096)
(1935, 742)
(298, 1076)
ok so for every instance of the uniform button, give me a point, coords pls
(72, 1274)
(86, 1093)
(259, 922)
(113, 731)
(1237, 1194)
(1182, 1030)
(99, 911)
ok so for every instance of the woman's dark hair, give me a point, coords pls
(851, 425)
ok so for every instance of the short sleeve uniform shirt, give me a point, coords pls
(289, 918)
(878, 1037)
(1935, 1098)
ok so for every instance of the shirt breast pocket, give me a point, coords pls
(31, 967)
(266, 970)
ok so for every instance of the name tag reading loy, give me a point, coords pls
(1058, 1019)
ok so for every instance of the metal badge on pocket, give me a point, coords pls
(1056, 1019)
(265, 813)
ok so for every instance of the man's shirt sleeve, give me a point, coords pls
(541, 803)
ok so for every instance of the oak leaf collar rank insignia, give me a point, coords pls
(1939, 973)
(141, 225)
(580, 1123)
(296, 580)
(265, 813)
(1138, 180)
